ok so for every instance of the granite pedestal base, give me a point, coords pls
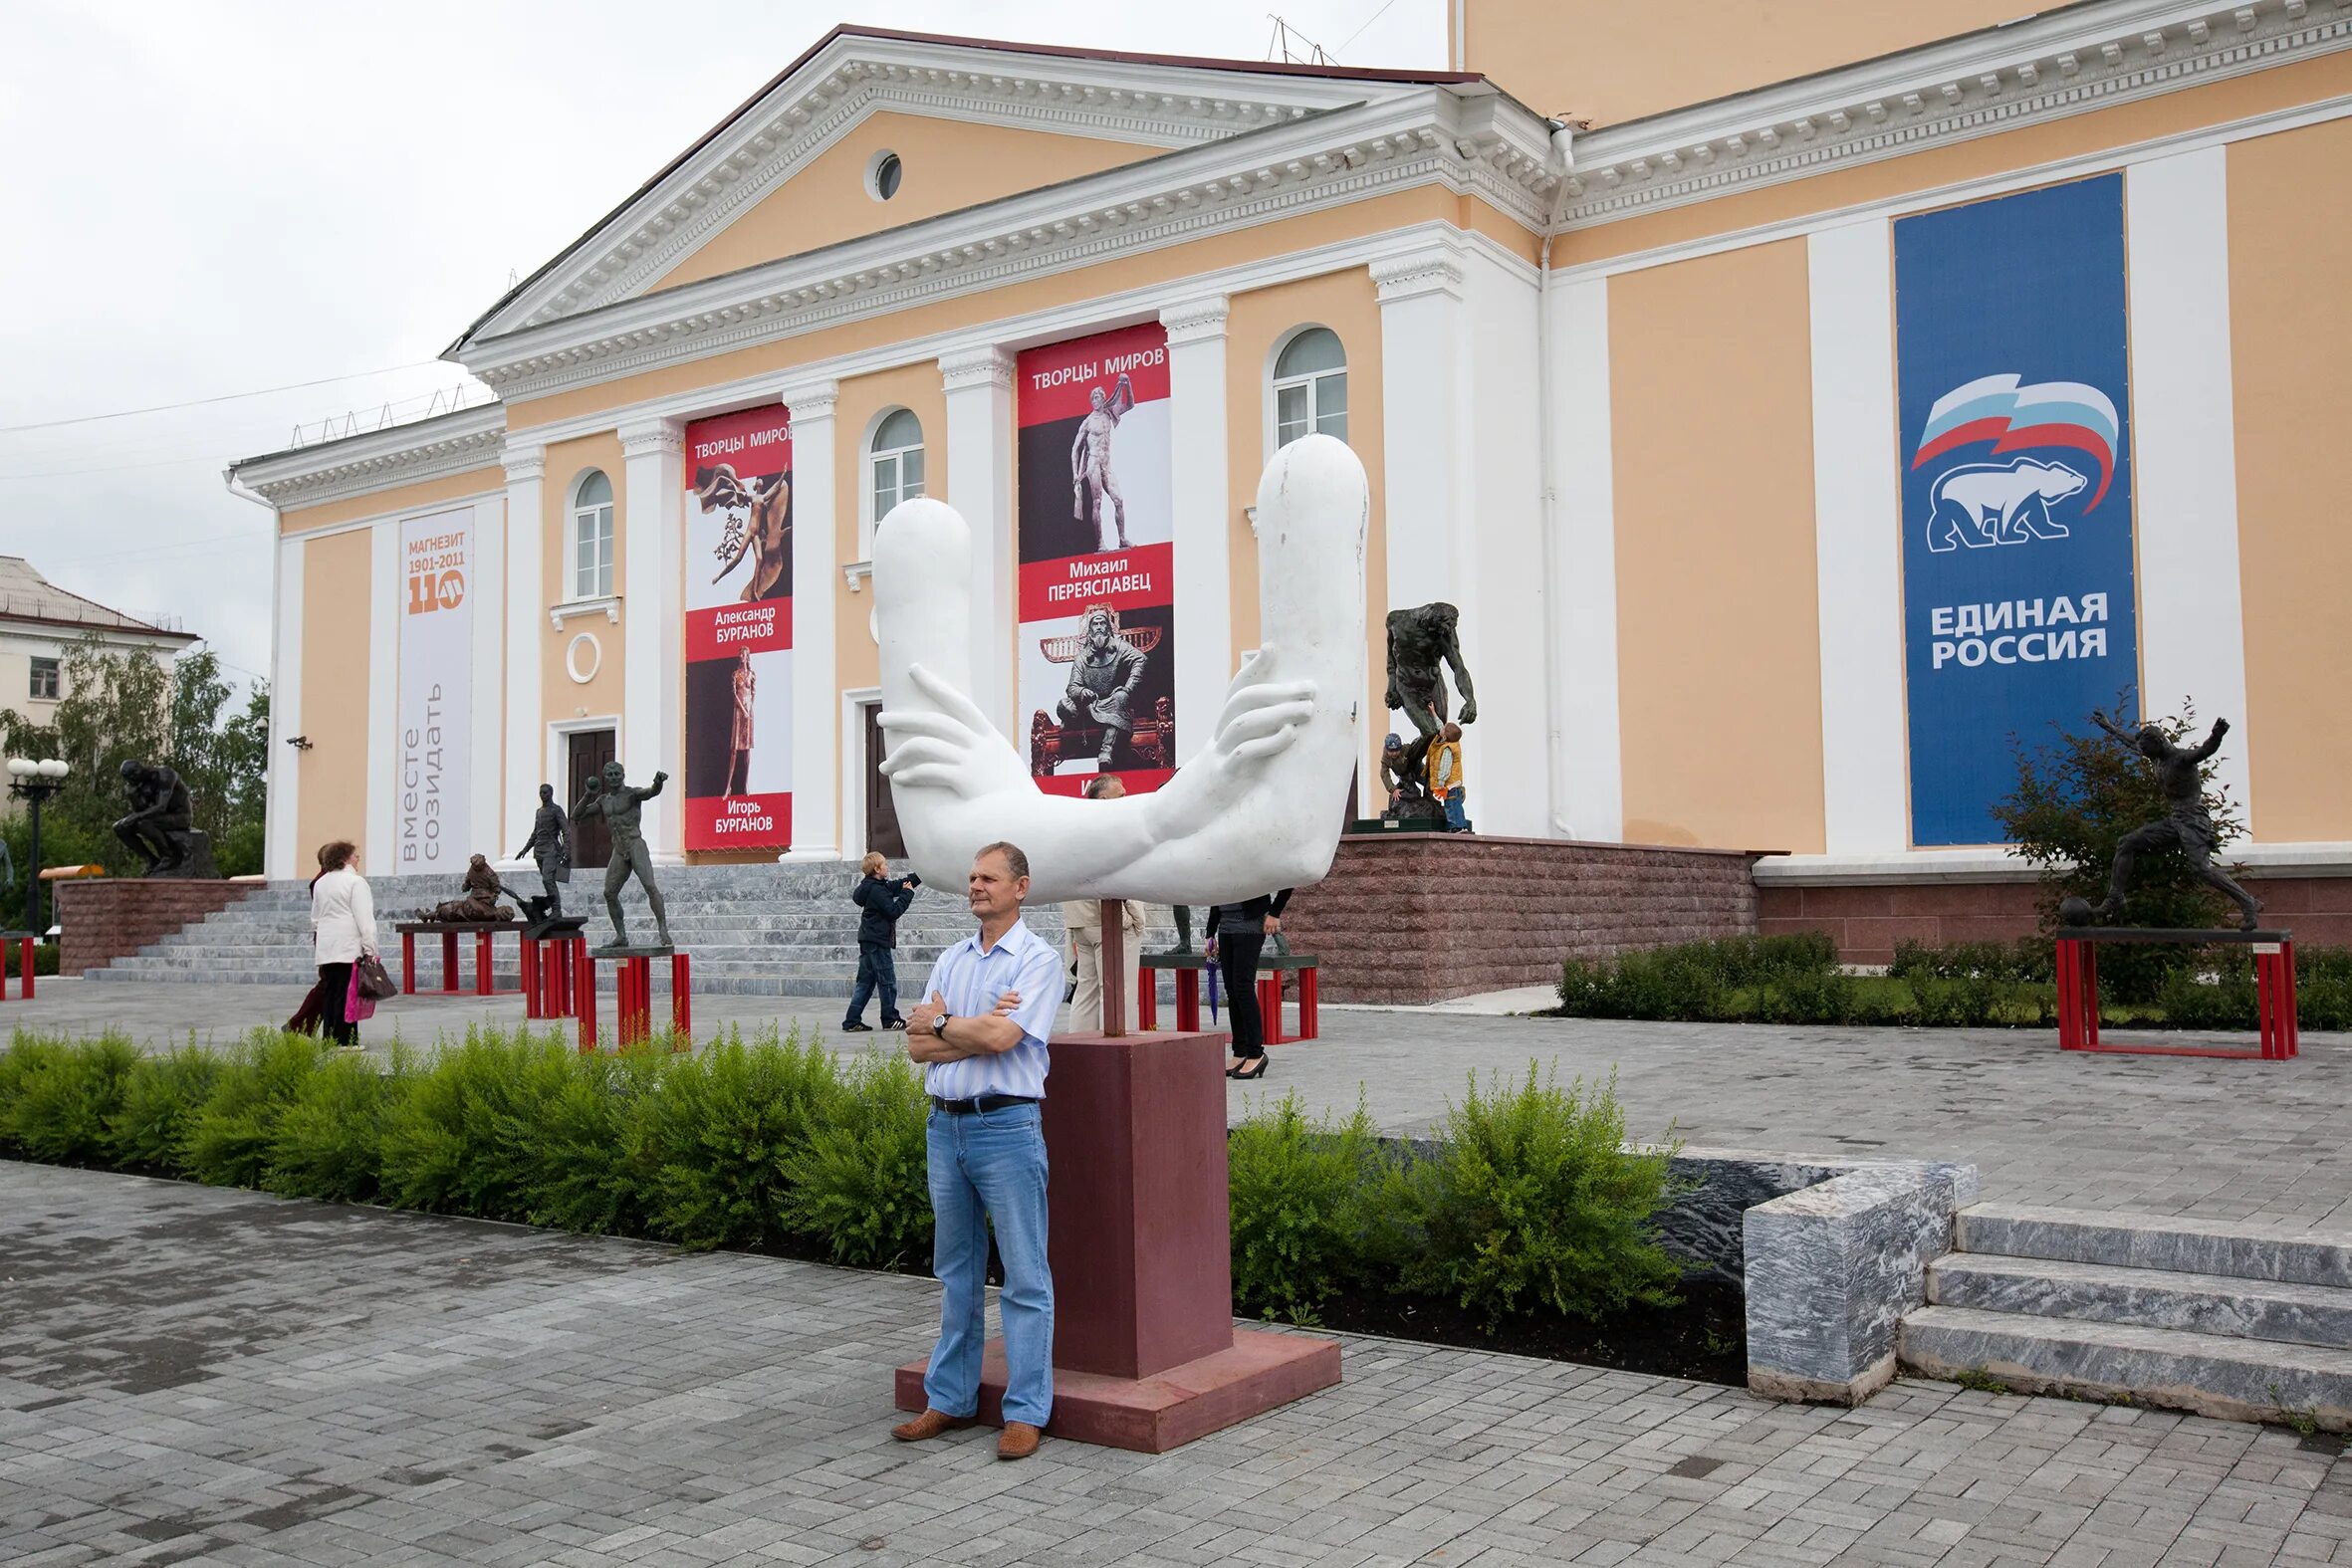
(1139, 1237)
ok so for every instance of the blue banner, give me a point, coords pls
(2013, 374)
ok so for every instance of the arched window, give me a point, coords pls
(893, 464)
(592, 537)
(1311, 386)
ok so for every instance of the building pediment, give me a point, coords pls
(1135, 107)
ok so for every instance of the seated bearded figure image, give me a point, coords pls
(1102, 682)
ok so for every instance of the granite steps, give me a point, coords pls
(2242, 1321)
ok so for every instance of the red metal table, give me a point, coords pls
(449, 930)
(2275, 991)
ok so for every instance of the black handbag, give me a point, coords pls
(375, 981)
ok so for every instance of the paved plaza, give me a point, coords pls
(2212, 1139)
(190, 1375)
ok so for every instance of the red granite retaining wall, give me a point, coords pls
(1412, 918)
(107, 918)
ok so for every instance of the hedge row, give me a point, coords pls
(1797, 979)
(1528, 1203)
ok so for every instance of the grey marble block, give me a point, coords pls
(1830, 1270)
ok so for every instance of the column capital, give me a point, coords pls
(1196, 321)
(1433, 269)
(976, 364)
(524, 463)
(645, 437)
(810, 401)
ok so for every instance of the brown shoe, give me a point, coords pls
(930, 1424)
(1019, 1441)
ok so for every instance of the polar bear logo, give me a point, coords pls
(1980, 504)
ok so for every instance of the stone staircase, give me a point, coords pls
(2242, 1321)
(761, 930)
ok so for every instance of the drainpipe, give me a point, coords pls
(1554, 657)
(1461, 27)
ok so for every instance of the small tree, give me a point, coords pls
(2076, 798)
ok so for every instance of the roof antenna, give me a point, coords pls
(1291, 47)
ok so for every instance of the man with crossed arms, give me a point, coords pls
(981, 1036)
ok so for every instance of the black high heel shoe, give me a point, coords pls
(1244, 1075)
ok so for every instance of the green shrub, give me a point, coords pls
(1533, 1202)
(43, 959)
(451, 1141)
(2029, 960)
(581, 1139)
(56, 1096)
(159, 1105)
(228, 1140)
(720, 1132)
(329, 1140)
(1307, 1218)
(859, 1184)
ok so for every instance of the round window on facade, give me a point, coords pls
(883, 176)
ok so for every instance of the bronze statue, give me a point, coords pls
(160, 827)
(620, 803)
(550, 848)
(2186, 822)
(482, 890)
(1102, 679)
(1420, 640)
(759, 523)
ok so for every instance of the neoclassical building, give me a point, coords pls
(1798, 403)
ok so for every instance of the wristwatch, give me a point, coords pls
(939, 1025)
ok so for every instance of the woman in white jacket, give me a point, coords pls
(342, 927)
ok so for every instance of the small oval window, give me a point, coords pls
(881, 180)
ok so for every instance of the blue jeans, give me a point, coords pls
(990, 1167)
(877, 966)
(1457, 816)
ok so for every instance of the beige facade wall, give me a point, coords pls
(336, 629)
(1718, 614)
(2289, 208)
(1605, 60)
(948, 165)
(407, 500)
(561, 697)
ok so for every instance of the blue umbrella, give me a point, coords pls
(1211, 967)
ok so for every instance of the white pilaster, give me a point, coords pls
(492, 695)
(2185, 468)
(1203, 573)
(383, 787)
(525, 604)
(979, 385)
(1857, 532)
(1425, 340)
(1584, 595)
(817, 738)
(282, 851)
(653, 619)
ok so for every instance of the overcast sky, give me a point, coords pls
(218, 199)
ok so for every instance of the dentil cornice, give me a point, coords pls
(2069, 61)
(379, 460)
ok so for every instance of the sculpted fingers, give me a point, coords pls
(952, 702)
(919, 752)
(936, 726)
(925, 775)
(1264, 746)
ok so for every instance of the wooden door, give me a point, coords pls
(881, 811)
(591, 840)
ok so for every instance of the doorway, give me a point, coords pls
(589, 752)
(881, 811)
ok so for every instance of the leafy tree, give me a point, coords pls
(2076, 798)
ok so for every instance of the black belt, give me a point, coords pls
(985, 1102)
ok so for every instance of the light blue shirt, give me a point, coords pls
(970, 978)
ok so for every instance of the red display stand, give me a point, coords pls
(1145, 1354)
(481, 931)
(24, 968)
(1187, 966)
(548, 964)
(2275, 992)
(632, 1008)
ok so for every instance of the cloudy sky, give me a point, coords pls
(222, 198)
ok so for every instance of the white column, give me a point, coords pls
(2185, 467)
(1203, 572)
(492, 695)
(525, 604)
(1858, 537)
(979, 385)
(1584, 595)
(817, 739)
(382, 788)
(652, 626)
(282, 851)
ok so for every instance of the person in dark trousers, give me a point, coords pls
(1236, 935)
(884, 899)
(343, 928)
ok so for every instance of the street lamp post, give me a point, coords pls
(35, 782)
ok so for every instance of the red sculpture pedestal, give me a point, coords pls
(1145, 1354)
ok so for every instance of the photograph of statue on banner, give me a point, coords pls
(1097, 548)
(739, 630)
(1105, 697)
(2013, 374)
(431, 825)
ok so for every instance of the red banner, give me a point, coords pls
(739, 630)
(729, 821)
(764, 627)
(1125, 579)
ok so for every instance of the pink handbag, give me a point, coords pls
(357, 1005)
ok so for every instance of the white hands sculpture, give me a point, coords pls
(1256, 809)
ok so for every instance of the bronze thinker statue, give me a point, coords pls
(1419, 641)
(2185, 821)
(620, 805)
(160, 827)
